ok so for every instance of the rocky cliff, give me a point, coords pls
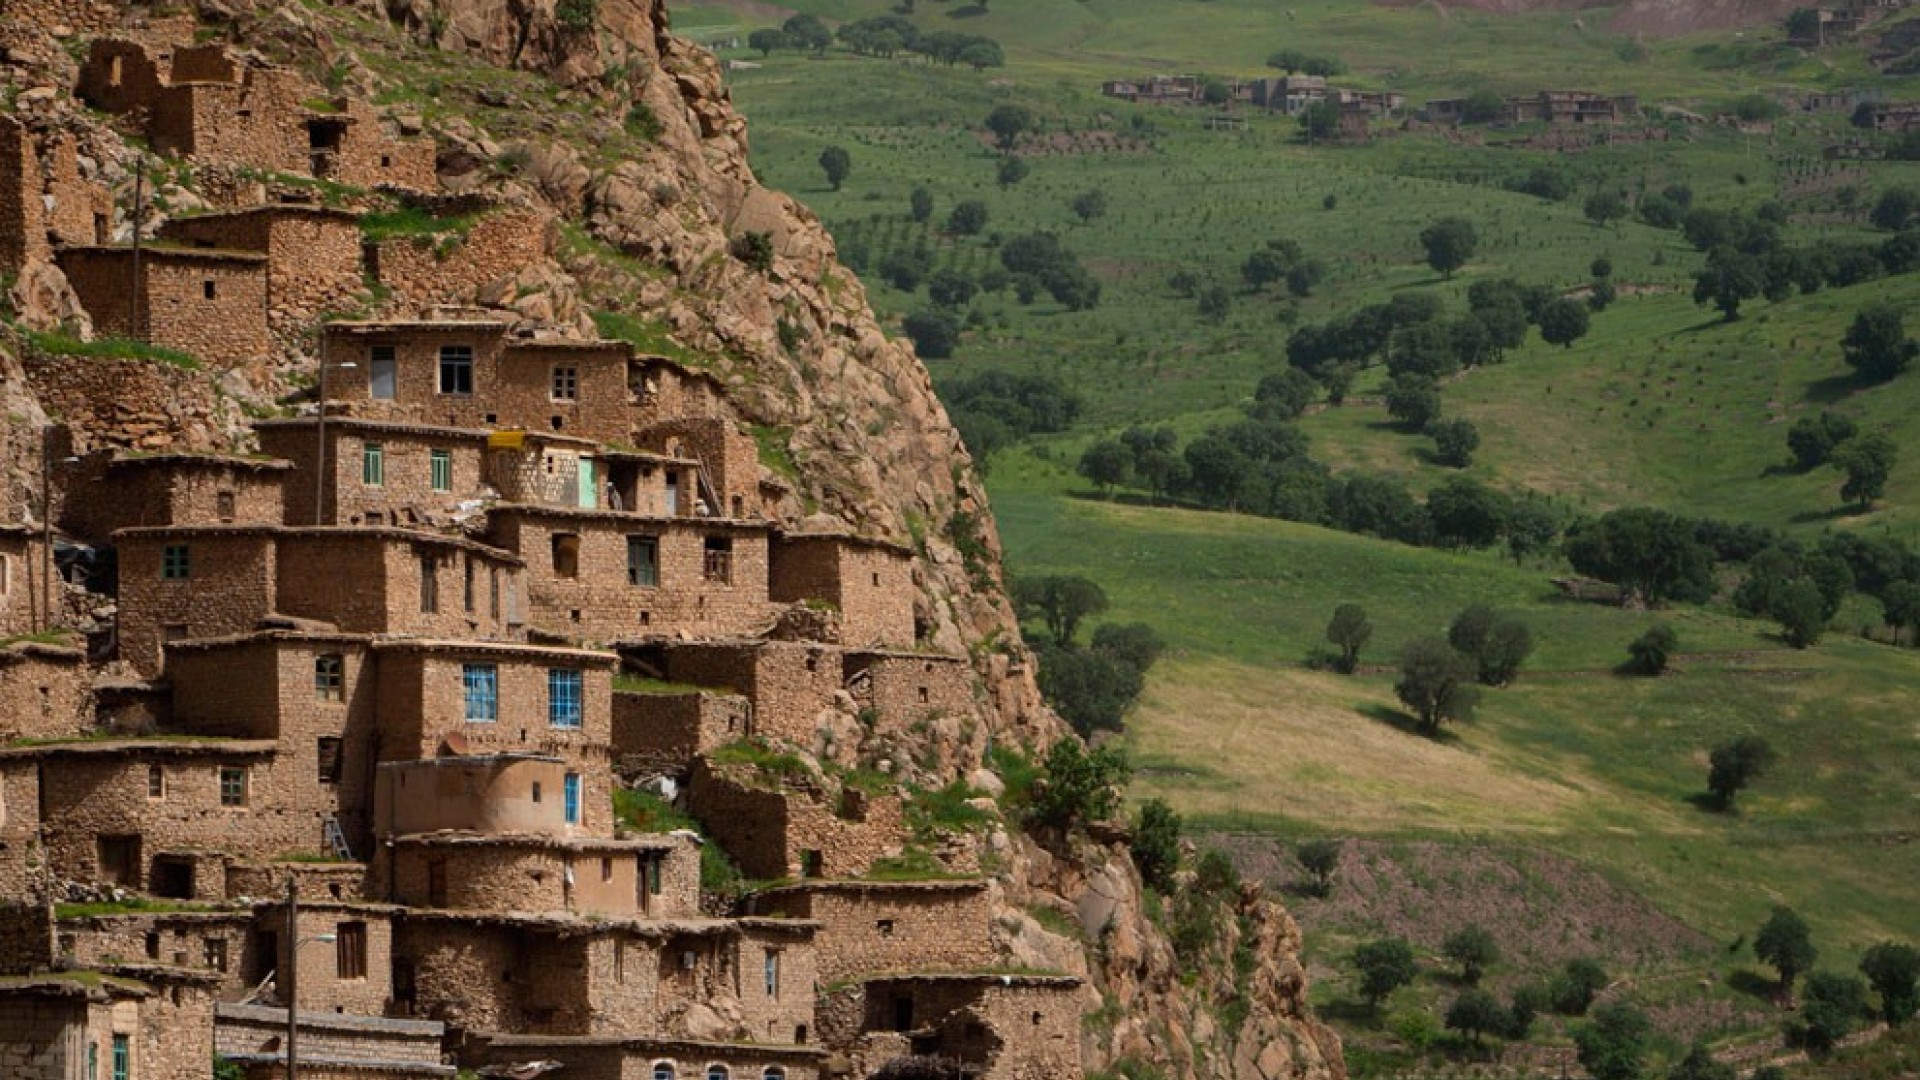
(626, 133)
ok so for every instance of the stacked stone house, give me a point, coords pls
(349, 753)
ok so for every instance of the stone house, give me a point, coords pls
(899, 690)
(615, 1057)
(1007, 1027)
(1565, 107)
(533, 873)
(787, 684)
(660, 731)
(716, 979)
(217, 944)
(871, 928)
(868, 582)
(87, 1025)
(21, 556)
(313, 256)
(44, 202)
(608, 576)
(543, 469)
(216, 581)
(794, 831)
(107, 493)
(1896, 117)
(663, 389)
(209, 304)
(376, 473)
(729, 462)
(204, 103)
(332, 1046)
(22, 863)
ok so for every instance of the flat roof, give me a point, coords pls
(412, 326)
(982, 978)
(472, 759)
(83, 985)
(856, 885)
(852, 539)
(319, 532)
(333, 1021)
(527, 345)
(662, 1047)
(267, 637)
(464, 838)
(567, 924)
(168, 252)
(267, 210)
(464, 645)
(204, 461)
(357, 423)
(196, 746)
(632, 517)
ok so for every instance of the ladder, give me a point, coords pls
(337, 840)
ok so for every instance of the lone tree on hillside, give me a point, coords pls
(920, 203)
(1894, 971)
(1785, 943)
(1830, 1010)
(1606, 206)
(1901, 604)
(1156, 843)
(1498, 644)
(1012, 170)
(836, 163)
(1734, 764)
(1385, 965)
(1564, 321)
(1473, 948)
(1436, 682)
(1008, 123)
(1454, 442)
(1089, 205)
(1350, 630)
(969, 216)
(1877, 345)
(1319, 858)
(1107, 463)
(1801, 611)
(767, 40)
(1450, 242)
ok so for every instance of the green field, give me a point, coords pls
(1661, 404)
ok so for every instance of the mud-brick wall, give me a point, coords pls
(454, 268)
(894, 928)
(42, 1038)
(662, 732)
(44, 694)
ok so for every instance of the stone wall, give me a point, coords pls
(328, 980)
(211, 305)
(788, 684)
(534, 876)
(530, 386)
(79, 211)
(1012, 1027)
(371, 157)
(663, 389)
(789, 834)
(870, 584)
(487, 794)
(870, 928)
(616, 1058)
(26, 936)
(656, 732)
(405, 497)
(248, 1031)
(23, 220)
(45, 693)
(453, 268)
(22, 862)
(229, 586)
(316, 882)
(130, 404)
(218, 944)
(21, 553)
(729, 460)
(696, 592)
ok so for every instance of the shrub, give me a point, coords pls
(1077, 785)
(1156, 843)
(1651, 651)
(1319, 858)
(755, 249)
(1574, 987)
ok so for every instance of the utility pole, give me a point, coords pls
(293, 962)
(320, 437)
(46, 528)
(136, 315)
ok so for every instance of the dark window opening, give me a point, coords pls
(351, 948)
(206, 289)
(173, 879)
(718, 563)
(566, 555)
(330, 753)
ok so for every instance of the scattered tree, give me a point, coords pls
(1450, 242)
(1465, 513)
(1320, 120)
(1894, 972)
(1078, 785)
(1089, 205)
(1699, 1064)
(1213, 302)
(1877, 345)
(808, 32)
(1735, 764)
(1475, 1013)
(1812, 439)
(1156, 843)
(1474, 949)
(933, 331)
(1563, 322)
(968, 217)
(1385, 965)
(767, 40)
(1436, 683)
(1350, 630)
(1284, 396)
(951, 288)
(1831, 1008)
(1061, 601)
(1606, 206)
(1785, 943)
(1107, 463)
(920, 203)
(1497, 644)
(1575, 985)
(1012, 170)
(1801, 612)
(1895, 209)
(1900, 604)
(1652, 650)
(1320, 858)
(1454, 441)
(1414, 400)
(1652, 555)
(1613, 1046)
(1867, 462)
(1008, 123)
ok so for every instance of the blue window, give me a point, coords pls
(122, 1058)
(483, 692)
(573, 798)
(563, 697)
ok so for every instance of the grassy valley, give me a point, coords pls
(1569, 813)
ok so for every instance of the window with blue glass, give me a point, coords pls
(483, 693)
(122, 1057)
(563, 697)
(573, 798)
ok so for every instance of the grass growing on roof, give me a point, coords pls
(60, 343)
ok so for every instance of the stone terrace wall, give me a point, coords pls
(661, 732)
(45, 693)
(498, 245)
(906, 689)
(891, 928)
(131, 404)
